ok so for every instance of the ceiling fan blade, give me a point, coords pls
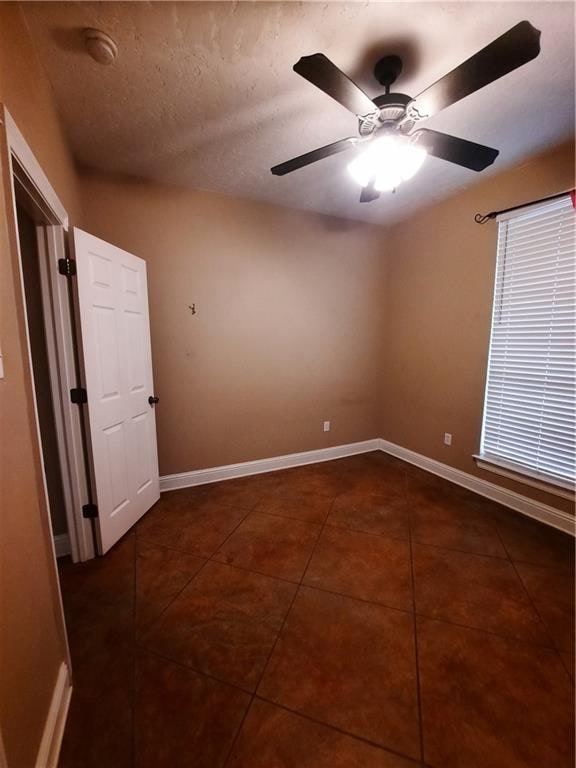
(474, 156)
(313, 156)
(322, 73)
(369, 193)
(511, 50)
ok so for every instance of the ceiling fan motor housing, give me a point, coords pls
(387, 70)
(392, 108)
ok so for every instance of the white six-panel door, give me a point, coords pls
(115, 331)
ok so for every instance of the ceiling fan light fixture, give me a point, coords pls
(387, 162)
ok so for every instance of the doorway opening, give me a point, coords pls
(88, 333)
(41, 243)
(30, 230)
(39, 224)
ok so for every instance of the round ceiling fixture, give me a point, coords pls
(100, 46)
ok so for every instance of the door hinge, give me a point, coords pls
(78, 395)
(67, 267)
(89, 511)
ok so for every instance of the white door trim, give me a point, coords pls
(53, 732)
(60, 344)
(20, 149)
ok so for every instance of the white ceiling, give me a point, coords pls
(203, 94)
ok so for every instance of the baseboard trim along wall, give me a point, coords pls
(230, 471)
(51, 742)
(62, 544)
(536, 509)
(539, 511)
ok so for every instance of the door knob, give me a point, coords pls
(153, 400)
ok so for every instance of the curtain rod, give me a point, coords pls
(483, 218)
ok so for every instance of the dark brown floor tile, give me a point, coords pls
(569, 662)
(224, 623)
(552, 591)
(454, 509)
(387, 515)
(160, 575)
(532, 542)
(303, 480)
(310, 507)
(182, 718)
(276, 546)
(184, 498)
(199, 530)
(98, 599)
(349, 664)
(489, 702)
(376, 481)
(477, 591)
(271, 737)
(424, 487)
(102, 581)
(242, 492)
(457, 526)
(99, 725)
(362, 565)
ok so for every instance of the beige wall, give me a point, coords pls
(438, 311)
(288, 327)
(32, 642)
(297, 323)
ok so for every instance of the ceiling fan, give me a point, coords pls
(395, 146)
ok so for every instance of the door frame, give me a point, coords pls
(51, 240)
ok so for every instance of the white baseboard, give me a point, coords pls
(51, 741)
(62, 544)
(539, 511)
(230, 471)
(536, 509)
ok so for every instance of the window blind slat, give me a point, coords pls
(530, 401)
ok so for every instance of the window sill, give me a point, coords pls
(520, 474)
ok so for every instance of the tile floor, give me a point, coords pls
(359, 613)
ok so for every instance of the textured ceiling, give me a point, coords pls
(203, 94)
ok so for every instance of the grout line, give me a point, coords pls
(510, 638)
(191, 579)
(415, 628)
(501, 558)
(417, 762)
(535, 609)
(338, 476)
(196, 670)
(301, 581)
(292, 582)
(275, 643)
(254, 695)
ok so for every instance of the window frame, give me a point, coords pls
(491, 462)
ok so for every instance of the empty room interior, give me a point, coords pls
(287, 384)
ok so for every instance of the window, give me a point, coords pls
(529, 410)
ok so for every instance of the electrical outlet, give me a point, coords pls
(447, 438)
(326, 426)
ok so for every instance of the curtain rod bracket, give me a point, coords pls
(483, 218)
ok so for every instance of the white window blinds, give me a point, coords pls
(529, 410)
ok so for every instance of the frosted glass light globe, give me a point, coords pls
(389, 161)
